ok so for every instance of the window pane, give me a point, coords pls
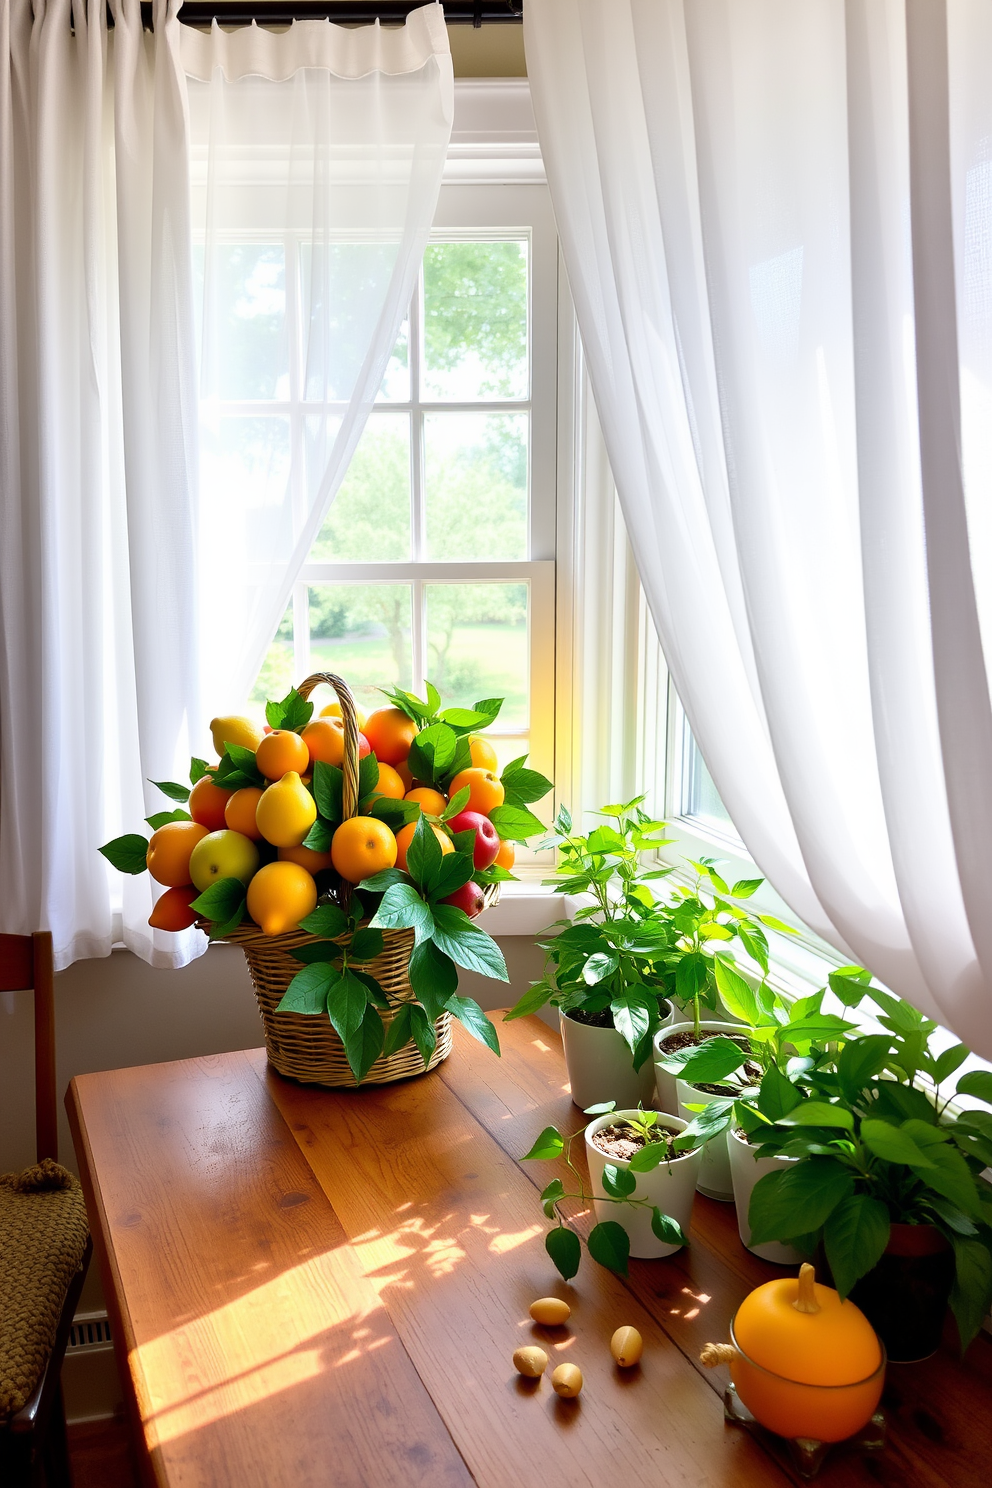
(477, 646)
(369, 521)
(362, 633)
(245, 472)
(275, 676)
(353, 279)
(245, 351)
(475, 321)
(395, 385)
(700, 798)
(476, 485)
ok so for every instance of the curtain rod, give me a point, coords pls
(343, 12)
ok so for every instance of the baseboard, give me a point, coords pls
(90, 1382)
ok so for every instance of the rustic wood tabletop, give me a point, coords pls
(312, 1287)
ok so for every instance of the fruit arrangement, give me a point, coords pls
(293, 829)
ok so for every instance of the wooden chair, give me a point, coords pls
(33, 1449)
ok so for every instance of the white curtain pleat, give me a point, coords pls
(776, 222)
(97, 515)
(317, 155)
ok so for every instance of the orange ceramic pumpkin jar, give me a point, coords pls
(806, 1364)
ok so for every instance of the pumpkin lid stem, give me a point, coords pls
(806, 1299)
(717, 1353)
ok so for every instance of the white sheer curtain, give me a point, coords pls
(317, 160)
(98, 669)
(777, 224)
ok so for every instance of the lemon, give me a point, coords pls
(279, 896)
(286, 811)
(235, 730)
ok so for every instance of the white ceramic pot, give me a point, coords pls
(672, 1187)
(600, 1067)
(745, 1170)
(677, 1095)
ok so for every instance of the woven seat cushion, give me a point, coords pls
(43, 1233)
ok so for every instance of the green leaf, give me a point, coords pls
(609, 1244)
(820, 1028)
(378, 883)
(755, 942)
(328, 785)
(293, 713)
(318, 839)
(219, 931)
(400, 1031)
(402, 908)
(346, 1003)
(524, 786)
(712, 1120)
(372, 987)
(127, 854)
(423, 856)
(327, 920)
(197, 769)
(602, 964)
(618, 1182)
(554, 1191)
(860, 1060)
(631, 1019)
(454, 870)
(515, 823)
(466, 944)
(565, 1251)
(457, 804)
(690, 976)
(424, 1033)
(667, 1229)
(464, 720)
(550, 1144)
(737, 997)
(396, 814)
(161, 818)
(433, 977)
(945, 1064)
(649, 1158)
(322, 950)
(368, 776)
(855, 1236)
(892, 1144)
(745, 887)
(602, 1108)
(977, 1083)
(220, 902)
(531, 1002)
(777, 1096)
(490, 708)
(951, 1176)
(307, 992)
(366, 944)
(971, 1294)
(172, 790)
(470, 1016)
(797, 1200)
(364, 1045)
(707, 1063)
(432, 753)
(818, 1113)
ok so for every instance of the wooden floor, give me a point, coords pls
(101, 1455)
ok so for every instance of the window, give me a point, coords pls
(437, 558)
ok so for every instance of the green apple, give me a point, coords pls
(223, 854)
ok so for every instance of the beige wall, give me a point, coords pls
(489, 51)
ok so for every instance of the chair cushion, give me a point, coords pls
(43, 1233)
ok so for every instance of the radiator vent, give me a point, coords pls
(89, 1331)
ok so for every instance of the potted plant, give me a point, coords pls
(887, 1176)
(348, 857)
(602, 968)
(642, 1170)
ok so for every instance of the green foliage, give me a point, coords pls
(128, 854)
(608, 1242)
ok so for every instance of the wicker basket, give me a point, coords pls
(305, 1047)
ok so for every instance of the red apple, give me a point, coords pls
(469, 897)
(486, 837)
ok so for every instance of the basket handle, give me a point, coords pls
(349, 764)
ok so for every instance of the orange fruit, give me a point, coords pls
(207, 802)
(506, 855)
(172, 911)
(281, 751)
(313, 862)
(390, 733)
(431, 802)
(389, 784)
(483, 753)
(169, 850)
(405, 836)
(324, 738)
(361, 846)
(485, 789)
(403, 772)
(279, 896)
(333, 710)
(239, 813)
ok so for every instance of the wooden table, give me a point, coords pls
(317, 1288)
